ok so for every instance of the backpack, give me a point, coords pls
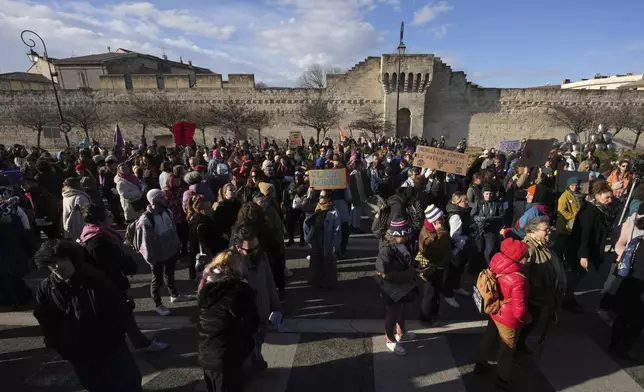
(625, 264)
(487, 293)
(380, 222)
(130, 231)
(221, 170)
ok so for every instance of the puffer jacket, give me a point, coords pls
(228, 319)
(73, 202)
(514, 287)
(156, 241)
(129, 193)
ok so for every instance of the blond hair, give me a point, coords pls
(458, 197)
(227, 263)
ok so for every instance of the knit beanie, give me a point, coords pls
(192, 178)
(572, 180)
(433, 213)
(514, 249)
(487, 188)
(532, 189)
(398, 227)
(216, 154)
(155, 195)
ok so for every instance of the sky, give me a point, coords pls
(498, 43)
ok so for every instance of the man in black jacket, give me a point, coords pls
(83, 317)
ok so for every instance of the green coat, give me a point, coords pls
(567, 209)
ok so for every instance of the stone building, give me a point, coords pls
(603, 82)
(434, 100)
(24, 81)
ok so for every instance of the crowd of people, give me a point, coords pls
(231, 210)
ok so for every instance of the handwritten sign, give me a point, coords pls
(439, 159)
(510, 145)
(295, 138)
(536, 152)
(328, 179)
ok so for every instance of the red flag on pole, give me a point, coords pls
(183, 133)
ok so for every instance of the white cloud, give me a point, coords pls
(430, 12)
(439, 32)
(396, 4)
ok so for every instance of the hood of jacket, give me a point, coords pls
(71, 192)
(215, 291)
(453, 209)
(502, 264)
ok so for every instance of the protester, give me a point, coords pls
(322, 232)
(567, 209)
(395, 267)
(459, 223)
(502, 332)
(537, 205)
(294, 203)
(75, 304)
(173, 190)
(225, 213)
(129, 188)
(156, 239)
(488, 218)
(46, 208)
(228, 321)
(619, 179)
(74, 201)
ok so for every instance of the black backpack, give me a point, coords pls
(130, 230)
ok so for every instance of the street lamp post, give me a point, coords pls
(401, 52)
(34, 57)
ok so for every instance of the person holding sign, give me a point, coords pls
(322, 234)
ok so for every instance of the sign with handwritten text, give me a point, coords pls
(510, 145)
(328, 179)
(439, 159)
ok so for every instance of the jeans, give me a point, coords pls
(117, 372)
(163, 271)
(230, 379)
(501, 340)
(395, 320)
(432, 290)
(488, 244)
(345, 238)
(356, 216)
(294, 217)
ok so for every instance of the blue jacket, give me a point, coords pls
(332, 237)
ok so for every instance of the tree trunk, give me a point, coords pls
(637, 138)
(259, 134)
(317, 135)
(203, 134)
(617, 130)
(143, 127)
(86, 134)
(39, 134)
(375, 135)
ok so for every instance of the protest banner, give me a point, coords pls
(164, 140)
(510, 145)
(564, 175)
(183, 133)
(439, 159)
(328, 179)
(536, 152)
(295, 139)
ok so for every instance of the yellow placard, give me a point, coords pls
(328, 179)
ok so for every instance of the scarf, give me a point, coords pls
(91, 230)
(604, 209)
(129, 177)
(323, 207)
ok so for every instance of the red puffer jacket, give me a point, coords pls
(513, 285)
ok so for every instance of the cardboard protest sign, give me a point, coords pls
(294, 138)
(183, 133)
(328, 179)
(164, 140)
(439, 159)
(535, 152)
(563, 176)
(510, 145)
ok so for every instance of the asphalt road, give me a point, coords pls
(333, 340)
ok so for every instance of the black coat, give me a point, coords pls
(109, 257)
(83, 320)
(588, 237)
(225, 217)
(227, 321)
(203, 231)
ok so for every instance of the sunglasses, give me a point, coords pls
(250, 251)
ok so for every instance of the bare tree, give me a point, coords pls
(202, 116)
(315, 76)
(636, 123)
(318, 114)
(34, 117)
(373, 122)
(619, 118)
(235, 117)
(261, 119)
(85, 115)
(578, 119)
(261, 85)
(138, 109)
(166, 112)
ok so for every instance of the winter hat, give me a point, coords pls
(111, 159)
(155, 195)
(216, 154)
(433, 213)
(98, 158)
(514, 249)
(547, 170)
(572, 180)
(532, 189)
(538, 192)
(487, 188)
(398, 227)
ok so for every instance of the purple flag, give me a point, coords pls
(118, 137)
